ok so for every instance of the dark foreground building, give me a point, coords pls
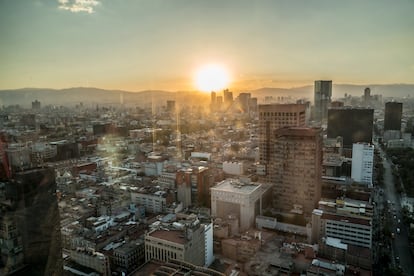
(29, 208)
(354, 125)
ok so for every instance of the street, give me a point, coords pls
(401, 253)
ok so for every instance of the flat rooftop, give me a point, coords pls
(174, 236)
(236, 186)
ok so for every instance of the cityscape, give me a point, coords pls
(149, 148)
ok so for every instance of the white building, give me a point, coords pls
(153, 202)
(362, 163)
(349, 221)
(234, 197)
(234, 168)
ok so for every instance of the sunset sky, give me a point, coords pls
(159, 44)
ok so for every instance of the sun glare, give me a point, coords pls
(211, 77)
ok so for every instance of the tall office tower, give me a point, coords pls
(33, 205)
(272, 117)
(244, 102)
(323, 94)
(171, 106)
(213, 101)
(36, 104)
(392, 117)
(228, 98)
(295, 169)
(367, 95)
(354, 125)
(362, 163)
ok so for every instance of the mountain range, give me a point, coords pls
(88, 95)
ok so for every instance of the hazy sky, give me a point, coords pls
(158, 44)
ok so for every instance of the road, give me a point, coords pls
(400, 244)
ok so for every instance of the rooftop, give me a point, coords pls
(169, 235)
(236, 186)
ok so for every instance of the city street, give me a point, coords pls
(401, 252)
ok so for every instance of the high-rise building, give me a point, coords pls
(33, 206)
(295, 169)
(228, 98)
(36, 104)
(362, 163)
(244, 101)
(354, 125)
(392, 116)
(367, 95)
(323, 94)
(171, 106)
(213, 101)
(273, 117)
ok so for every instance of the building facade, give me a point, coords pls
(362, 163)
(322, 99)
(233, 197)
(295, 169)
(354, 125)
(273, 117)
(187, 244)
(392, 116)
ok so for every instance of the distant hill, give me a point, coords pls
(88, 96)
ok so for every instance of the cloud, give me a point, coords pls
(78, 5)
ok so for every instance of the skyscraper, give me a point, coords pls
(354, 125)
(295, 169)
(273, 117)
(323, 94)
(33, 207)
(392, 116)
(228, 98)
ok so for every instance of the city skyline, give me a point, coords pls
(137, 45)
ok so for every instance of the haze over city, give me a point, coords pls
(206, 137)
(137, 45)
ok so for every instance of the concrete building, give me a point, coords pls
(11, 246)
(242, 199)
(392, 116)
(154, 203)
(91, 259)
(354, 125)
(193, 186)
(295, 169)
(362, 163)
(273, 117)
(185, 243)
(322, 99)
(347, 220)
(130, 255)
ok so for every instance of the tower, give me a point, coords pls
(354, 125)
(362, 163)
(392, 116)
(295, 169)
(33, 206)
(323, 94)
(273, 117)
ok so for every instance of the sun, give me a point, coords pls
(212, 77)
